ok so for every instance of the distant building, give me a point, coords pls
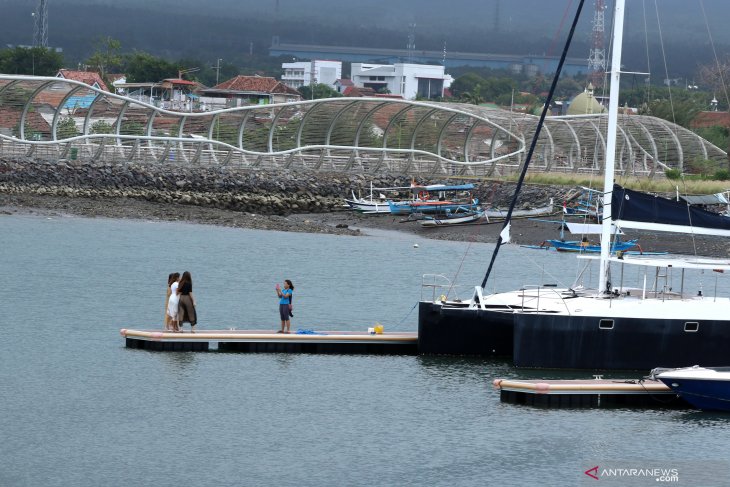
(117, 79)
(305, 73)
(90, 78)
(710, 119)
(585, 104)
(82, 98)
(342, 84)
(247, 90)
(527, 64)
(406, 80)
(177, 94)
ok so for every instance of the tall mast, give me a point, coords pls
(615, 79)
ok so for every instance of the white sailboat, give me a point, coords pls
(615, 325)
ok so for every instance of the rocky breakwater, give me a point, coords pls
(263, 192)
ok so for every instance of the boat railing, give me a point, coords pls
(542, 291)
(439, 286)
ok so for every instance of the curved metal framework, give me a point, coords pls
(57, 118)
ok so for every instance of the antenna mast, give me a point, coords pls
(411, 42)
(597, 57)
(40, 28)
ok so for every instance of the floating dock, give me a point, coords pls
(589, 393)
(267, 341)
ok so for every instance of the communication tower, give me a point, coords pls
(411, 42)
(597, 57)
(40, 27)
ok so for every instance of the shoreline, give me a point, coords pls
(336, 222)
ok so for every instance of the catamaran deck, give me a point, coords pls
(588, 393)
(268, 341)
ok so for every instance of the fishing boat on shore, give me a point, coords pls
(436, 198)
(372, 204)
(457, 217)
(706, 388)
(544, 210)
(614, 325)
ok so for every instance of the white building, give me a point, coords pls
(305, 73)
(406, 80)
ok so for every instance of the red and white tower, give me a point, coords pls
(597, 57)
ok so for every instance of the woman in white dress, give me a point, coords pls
(172, 303)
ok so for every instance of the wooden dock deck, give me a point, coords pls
(588, 393)
(268, 341)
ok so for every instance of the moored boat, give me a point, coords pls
(524, 213)
(705, 388)
(661, 319)
(436, 198)
(371, 203)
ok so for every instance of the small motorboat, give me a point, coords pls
(705, 388)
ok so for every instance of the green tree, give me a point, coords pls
(142, 67)
(37, 61)
(321, 90)
(101, 127)
(66, 128)
(474, 96)
(466, 84)
(106, 57)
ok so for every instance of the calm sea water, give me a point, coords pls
(79, 409)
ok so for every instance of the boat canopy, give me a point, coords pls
(705, 199)
(632, 209)
(589, 228)
(699, 263)
(442, 187)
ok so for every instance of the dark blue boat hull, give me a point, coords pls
(462, 331)
(577, 342)
(710, 395)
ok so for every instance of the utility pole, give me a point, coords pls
(217, 68)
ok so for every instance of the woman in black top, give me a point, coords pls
(186, 308)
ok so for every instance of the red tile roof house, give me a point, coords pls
(342, 84)
(90, 78)
(248, 90)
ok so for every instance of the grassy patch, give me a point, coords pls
(688, 184)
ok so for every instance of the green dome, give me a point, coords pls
(585, 104)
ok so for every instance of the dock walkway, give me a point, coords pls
(268, 341)
(588, 393)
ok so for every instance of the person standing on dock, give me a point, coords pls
(186, 307)
(173, 300)
(168, 327)
(285, 306)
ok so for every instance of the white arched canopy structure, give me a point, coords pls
(55, 118)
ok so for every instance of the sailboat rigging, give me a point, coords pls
(612, 326)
